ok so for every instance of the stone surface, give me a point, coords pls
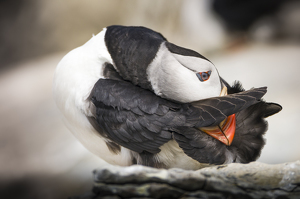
(254, 180)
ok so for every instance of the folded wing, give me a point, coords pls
(139, 120)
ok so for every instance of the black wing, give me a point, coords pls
(221, 107)
(248, 140)
(133, 117)
(141, 121)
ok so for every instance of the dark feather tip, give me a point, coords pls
(271, 109)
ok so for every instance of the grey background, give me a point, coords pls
(40, 158)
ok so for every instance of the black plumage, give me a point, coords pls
(247, 143)
(250, 128)
(139, 120)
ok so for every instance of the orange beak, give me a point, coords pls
(224, 132)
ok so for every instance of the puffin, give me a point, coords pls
(132, 97)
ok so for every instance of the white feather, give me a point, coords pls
(74, 79)
(174, 157)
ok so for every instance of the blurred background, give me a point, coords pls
(254, 41)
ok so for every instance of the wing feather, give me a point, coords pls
(139, 120)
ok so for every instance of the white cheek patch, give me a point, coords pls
(174, 76)
(211, 86)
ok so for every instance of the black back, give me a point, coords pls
(132, 50)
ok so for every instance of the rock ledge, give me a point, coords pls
(254, 180)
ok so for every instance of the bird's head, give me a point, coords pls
(183, 75)
(145, 58)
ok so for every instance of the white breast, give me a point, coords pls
(74, 79)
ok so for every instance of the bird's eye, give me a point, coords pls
(203, 76)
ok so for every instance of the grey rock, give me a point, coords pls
(254, 180)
